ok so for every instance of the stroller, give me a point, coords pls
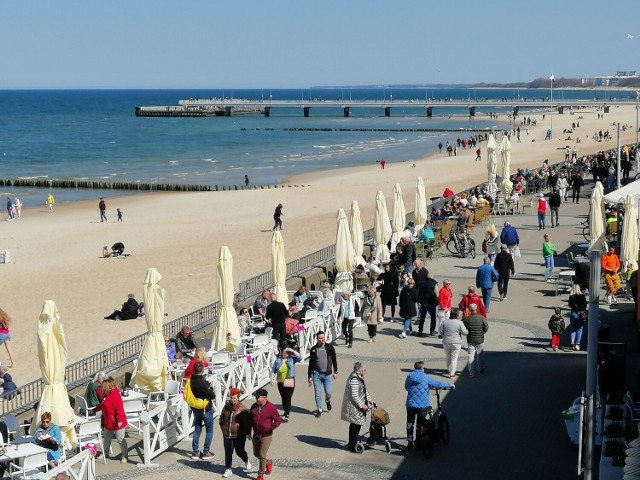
(377, 430)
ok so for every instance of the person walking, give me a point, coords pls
(276, 314)
(201, 389)
(235, 424)
(114, 419)
(468, 299)
(491, 242)
(445, 297)
(478, 157)
(428, 302)
(355, 404)
(542, 211)
(408, 310)
(555, 200)
(119, 214)
(284, 373)
(102, 208)
(323, 370)
(17, 205)
(348, 315)
(509, 237)
(556, 327)
(562, 185)
(451, 332)
(372, 312)
(578, 315)
(477, 326)
(417, 386)
(264, 420)
(548, 253)
(505, 267)
(486, 276)
(50, 201)
(277, 217)
(5, 336)
(389, 289)
(577, 182)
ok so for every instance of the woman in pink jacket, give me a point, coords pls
(114, 420)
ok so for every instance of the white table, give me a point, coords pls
(18, 452)
(133, 395)
(566, 273)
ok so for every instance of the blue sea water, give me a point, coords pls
(94, 135)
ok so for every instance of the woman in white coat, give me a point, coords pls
(452, 331)
(355, 404)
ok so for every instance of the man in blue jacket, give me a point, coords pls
(486, 276)
(509, 237)
(417, 386)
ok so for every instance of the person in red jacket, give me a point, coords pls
(264, 420)
(473, 297)
(114, 419)
(444, 298)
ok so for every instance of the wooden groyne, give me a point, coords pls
(161, 187)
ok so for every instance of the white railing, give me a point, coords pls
(78, 467)
(163, 430)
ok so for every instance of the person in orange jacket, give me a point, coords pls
(610, 264)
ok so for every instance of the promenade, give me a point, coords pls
(505, 424)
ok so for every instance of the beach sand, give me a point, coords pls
(57, 255)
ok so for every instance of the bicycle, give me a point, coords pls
(460, 243)
(432, 431)
(585, 229)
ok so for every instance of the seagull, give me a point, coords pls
(629, 36)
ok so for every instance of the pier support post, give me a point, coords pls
(227, 111)
(429, 112)
(387, 111)
(267, 111)
(472, 111)
(346, 112)
(306, 111)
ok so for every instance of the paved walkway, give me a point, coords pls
(505, 424)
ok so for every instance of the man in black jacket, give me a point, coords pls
(276, 313)
(577, 182)
(323, 369)
(555, 200)
(203, 390)
(130, 310)
(186, 343)
(505, 267)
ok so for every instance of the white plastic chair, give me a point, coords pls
(31, 466)
(82, 408)
(259, 341)
(241, 351)
(132, 409)
(219, 359)
(90, 432)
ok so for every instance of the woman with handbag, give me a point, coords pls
(491, 246)
(548, 252)
(578, 306)
(284, 372)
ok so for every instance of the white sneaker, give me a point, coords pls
(248, 465)
(607, 299)
(614, 301)
(227, 473)
(403, 335)
(370, 340)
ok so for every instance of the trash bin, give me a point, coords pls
(571, 418)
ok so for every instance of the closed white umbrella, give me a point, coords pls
(505, 157)
(399, 216)
(52, 356)
(597, 219)
(344, 254)
(152, 370)
(630, 242)
(381, 228)
(279, 267)
(492, 164)
(357, 234)
(420, 207)
(226, 333)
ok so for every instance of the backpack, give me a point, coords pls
(192, 400)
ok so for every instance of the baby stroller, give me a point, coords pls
(377, 430)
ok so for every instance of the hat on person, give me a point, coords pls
(234, 392)
(261, 392)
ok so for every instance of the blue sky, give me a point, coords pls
(279, 44)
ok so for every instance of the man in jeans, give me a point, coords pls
(477, 326)
(323, 369)
(201, 389)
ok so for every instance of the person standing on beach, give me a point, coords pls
(50, 201)
(246, 180)
(17, 205)
(102, 208)
(382, 163)
(276, 217)
(478, 152)
(119, 212)
(9, 209)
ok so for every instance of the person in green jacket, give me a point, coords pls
(548, 252)
(93, 395)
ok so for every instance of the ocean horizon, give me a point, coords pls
(95, 135)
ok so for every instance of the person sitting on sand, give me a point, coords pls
(117, 249)
(105, 252)
(130, 310)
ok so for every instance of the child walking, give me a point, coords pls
(119, 212)
(556, 325)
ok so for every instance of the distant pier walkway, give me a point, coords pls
(206, 107)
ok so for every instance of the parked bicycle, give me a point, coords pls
(432, 431)
(461, 243)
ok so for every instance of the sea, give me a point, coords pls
(95, 135)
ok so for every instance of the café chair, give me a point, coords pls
(31, 467)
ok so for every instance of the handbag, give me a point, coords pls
(289, 382)
(484, 246)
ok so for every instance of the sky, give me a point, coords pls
(301, 43)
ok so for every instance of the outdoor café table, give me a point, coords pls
(130, 395)
(16, 452)
(566, 274)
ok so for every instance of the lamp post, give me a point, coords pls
(551, 80)
(618, 159)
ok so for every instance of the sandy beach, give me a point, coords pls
(57, 255)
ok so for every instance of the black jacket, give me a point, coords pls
(577, 303)
(332, 361)
(408, 299)
(556, 323)
(129, 310)
(554, 200)
(276, 313)
(504, 264)
(202, 389)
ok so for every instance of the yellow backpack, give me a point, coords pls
(191, 399)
